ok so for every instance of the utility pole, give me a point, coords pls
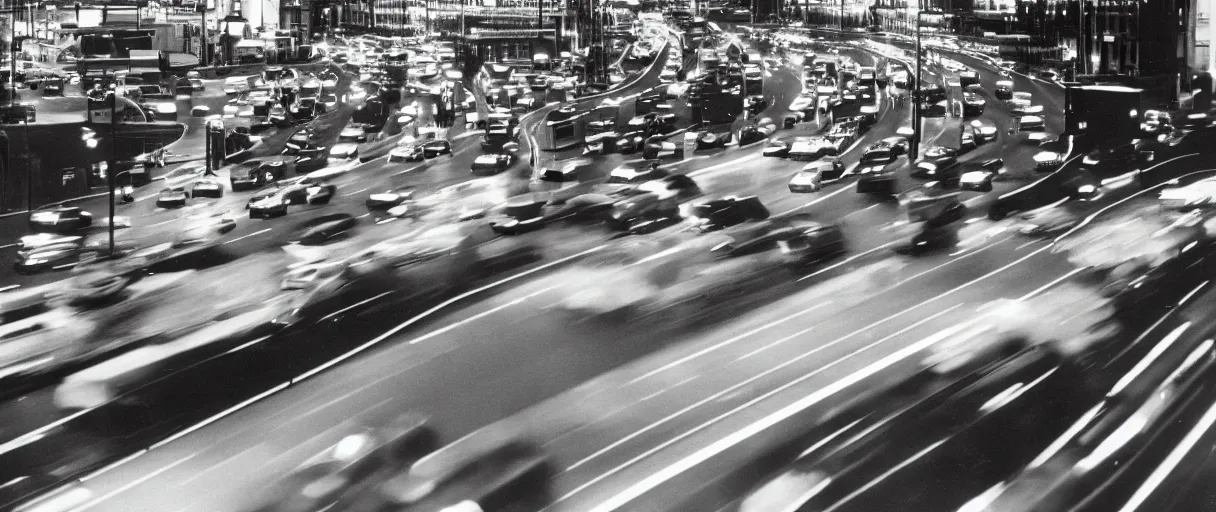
(914, 144)
(111, 166)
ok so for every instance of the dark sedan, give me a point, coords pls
(434, 148)
(517, 216)
(714, 214)
(944, 168)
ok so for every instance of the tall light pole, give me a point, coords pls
(111, 166)
(914, 144)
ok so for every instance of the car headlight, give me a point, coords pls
(1088, 160)
(47, 217)
(35, 261)
(1087, 189)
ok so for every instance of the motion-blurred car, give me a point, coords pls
(258, 172)
(60, 219)
(973, 104)
(630, 142)
(715, 214)
(711, 140)
(517, 216)
(632, 174)
(310, 159)
(341, 476)
(799, 240)
(511, 473)
(810, 148)
(63, 255)
(754, 133)
(879, 154)
(274, 200)
(979, 177)
(983, 131)
(173, 197)
(1003, 90)
(600, 142)
(383, 201)
(659, 147)
(942, 168)
(349, 139)
(1019, 102)
(777, 148)
(878, 179)
(1155, 122)
(438, 147)
(487, 165)
(323, 229)
(939, 151)
(898, 144)
(812, 176)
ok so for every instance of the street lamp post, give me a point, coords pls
(111, 165)
(914, 144)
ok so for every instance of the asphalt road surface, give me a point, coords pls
(467, 351)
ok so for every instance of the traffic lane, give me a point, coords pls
(634, 469)
(503, 353)
(192, 144)
(829, 322)
(1182, 480)
(1048, 94)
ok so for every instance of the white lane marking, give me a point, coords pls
(888, 473)
(132, 484)
(41, 432)
(196, 427)
(656, 479)
(609, 505)
(1027, 244)
(481, 315)
(239, 238)
(1171, 461)
(425, 314)
(340, 312)
(161, 223)
(849, 260)
(1095, 215)
(112, 465)
(723, 165)
(773, 344)
(668, 388)
(837, 192)
(365, 189)
(7, 246)
(729, 341)
(248, 344)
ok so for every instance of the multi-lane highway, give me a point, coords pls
(506, 353)
(632, 417)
